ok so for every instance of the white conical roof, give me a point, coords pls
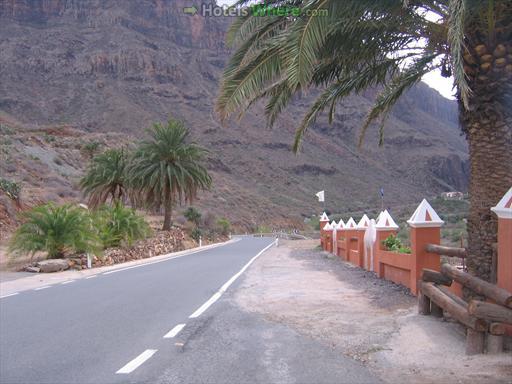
(334, 224)
(341, 224)
(425, 216)
(350, 224)
(364, 222)
(324, 217)
(378, 217)
(504, 208)
(386, 221)
(328, 227)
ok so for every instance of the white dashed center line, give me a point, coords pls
(67, 282)
(216, 296)
(137, 362)
(173, 332)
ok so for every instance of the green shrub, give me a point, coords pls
(10, 188)
(196, 234)
(193, 215)
(91, 148)
(57, 230)
(224, 226)
(118, 225)
(392, 243)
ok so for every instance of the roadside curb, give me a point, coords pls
(44, 279)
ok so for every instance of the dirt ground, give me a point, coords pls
(366, 318)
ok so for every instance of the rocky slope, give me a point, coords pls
(115, 66)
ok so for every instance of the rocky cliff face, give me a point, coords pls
(119, 65)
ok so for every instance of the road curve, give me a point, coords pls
(102, 329)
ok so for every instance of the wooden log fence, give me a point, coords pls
(485, 320)
(446, 251)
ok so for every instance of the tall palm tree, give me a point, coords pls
(166, 169)
(105, 178)
(347, 46)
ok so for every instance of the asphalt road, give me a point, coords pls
(167, 322)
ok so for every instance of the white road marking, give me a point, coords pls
(170, 258)
(216, 296)
(41, 288)
(67, 282)
(137, 362)
(173, 332)
(90, 277)
(10, 294)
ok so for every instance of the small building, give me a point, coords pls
(452, 195)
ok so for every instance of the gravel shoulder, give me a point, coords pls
(362, 317)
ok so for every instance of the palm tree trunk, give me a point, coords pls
(167, 215)
(488, 127)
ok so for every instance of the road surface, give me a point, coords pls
(157, 322)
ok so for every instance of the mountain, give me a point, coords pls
(106, 69)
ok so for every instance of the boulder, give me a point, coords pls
(53, 265)
(32, 269)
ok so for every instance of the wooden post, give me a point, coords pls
(495, 338)
(436, 310)
(425, 229)
(474, 342)
(423, 304)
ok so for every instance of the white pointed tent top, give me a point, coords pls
(364, 222)
(386, 221)
(328, 227)
(425, 216)
(350, 224)
(324, 217)
(334, 224)
(504, 208)
(341, 224)
(378, 217)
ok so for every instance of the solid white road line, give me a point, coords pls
(41, 288)
(173, 332)
(195, 250)
(216, 296)
(67, 282)
(137, 362)
(10, 294)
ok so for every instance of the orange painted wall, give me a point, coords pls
(505, 254)
(420, 237)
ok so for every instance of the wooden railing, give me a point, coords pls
(480, 317)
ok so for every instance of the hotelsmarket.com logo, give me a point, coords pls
(213, 10)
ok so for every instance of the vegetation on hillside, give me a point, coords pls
(105, 178)
(167, 169)
(118, 225)
(391, 44)
(11, 188)
(56, 230)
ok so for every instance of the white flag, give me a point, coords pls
(321, 196)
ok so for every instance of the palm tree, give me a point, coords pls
(167, 170)
(106, 178)
(348, 46)
(57, 230)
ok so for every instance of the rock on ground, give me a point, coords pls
(53, 265)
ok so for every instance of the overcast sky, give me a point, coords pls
(433, 79)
